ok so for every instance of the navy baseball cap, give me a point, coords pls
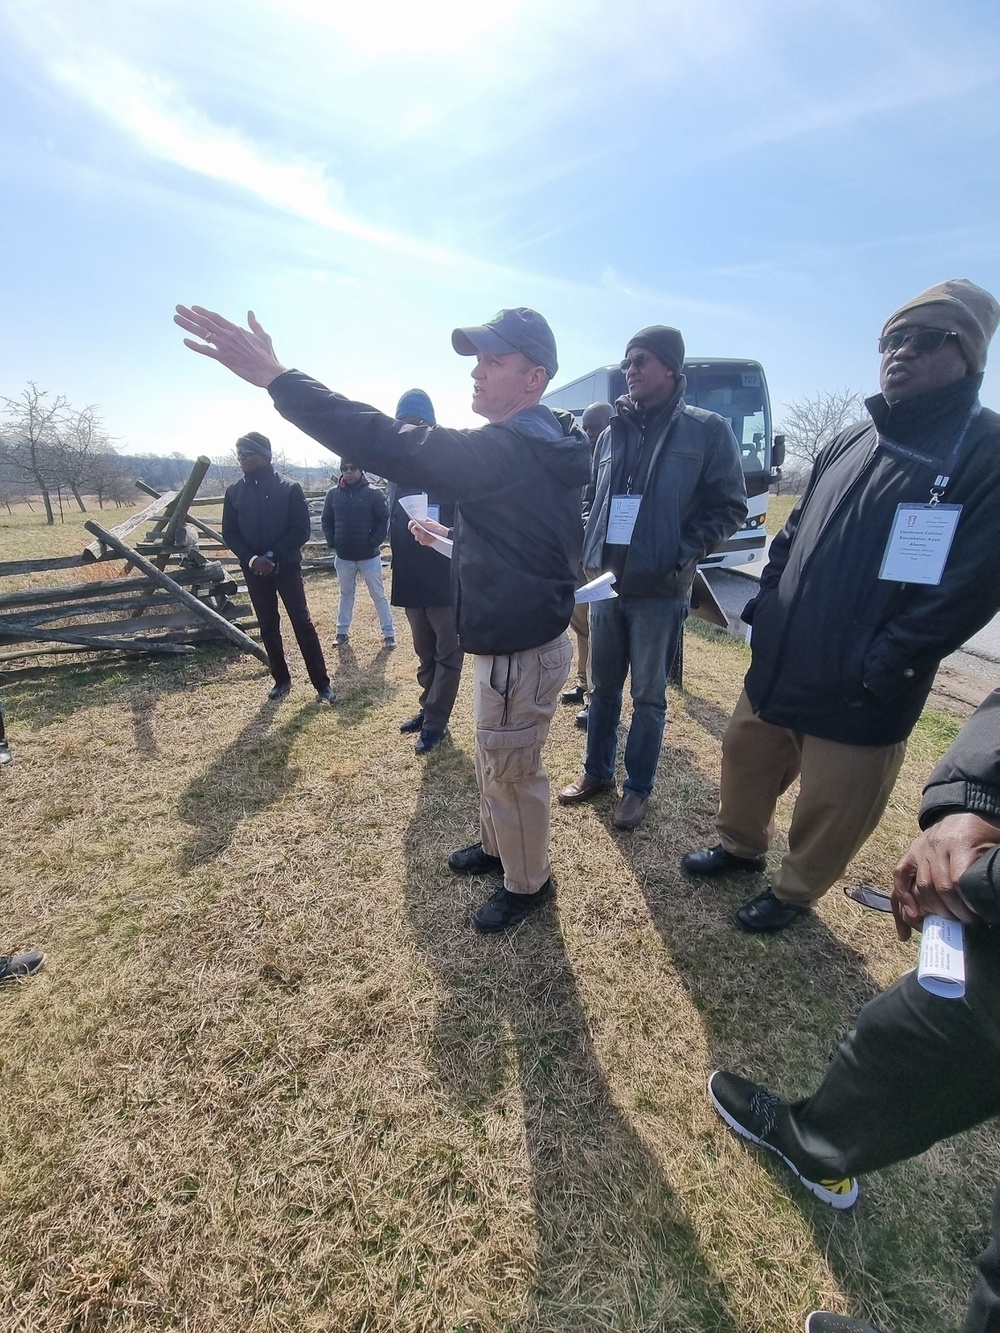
(517, 330)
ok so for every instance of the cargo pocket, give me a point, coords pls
(553, 668)
(510, 756)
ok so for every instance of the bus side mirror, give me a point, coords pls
(778, 451)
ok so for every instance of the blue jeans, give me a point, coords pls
(371, 572)
(637, 634)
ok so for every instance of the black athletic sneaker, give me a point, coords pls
(505, 909)
(825, 1321)
(474, 861)
(17, 965)
(752, 1111)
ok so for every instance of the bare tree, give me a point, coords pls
(29, 436)
(811, 423)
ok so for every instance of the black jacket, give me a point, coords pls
(263, 512)
(967, 780)
(693, 495)
(516, 484)
(837, 652)
(355, 520)
(421, 576)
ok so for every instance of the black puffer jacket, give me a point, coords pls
(837, 652)
(516, 484)
(263, 512)
(355, 520)
(967, 780)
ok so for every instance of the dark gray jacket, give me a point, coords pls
(516, 484)
(838, 652)
(693, 495)
(967, 780)
(355, 520)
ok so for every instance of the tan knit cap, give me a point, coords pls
(958, 305)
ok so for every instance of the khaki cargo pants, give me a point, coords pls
(514, 699)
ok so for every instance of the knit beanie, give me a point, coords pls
(255, 443)
(415, 403)
(957, 305)
(662, 341)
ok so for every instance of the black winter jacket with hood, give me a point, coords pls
(262, 512)
(355, 520)
(516, 484)
(838, 652)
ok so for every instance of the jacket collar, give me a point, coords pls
(662, 415)
(925, 413)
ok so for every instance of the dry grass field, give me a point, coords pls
(271, 1080)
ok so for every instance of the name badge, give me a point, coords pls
(434, 512)
(621, 519)
(919, 541)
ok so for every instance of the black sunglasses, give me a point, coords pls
(639, 360)
(920, 340)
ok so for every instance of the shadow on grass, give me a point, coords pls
(360, 690)
(613, 1247)
(248, 776)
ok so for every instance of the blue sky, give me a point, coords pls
(772, 177)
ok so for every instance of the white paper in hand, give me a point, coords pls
(941, 966)
(597, 590)
(415, 505)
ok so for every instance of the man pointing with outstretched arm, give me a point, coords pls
(518, 534)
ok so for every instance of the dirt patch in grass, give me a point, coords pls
(271, 1080)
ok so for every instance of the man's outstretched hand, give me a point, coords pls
(246, 352)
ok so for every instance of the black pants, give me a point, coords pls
(264, 592)
(439, 669)
(915, 1070)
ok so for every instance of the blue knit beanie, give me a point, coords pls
(415, 403)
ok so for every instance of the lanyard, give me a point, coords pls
(940, 483)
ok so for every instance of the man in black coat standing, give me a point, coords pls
(888, 563)
(421, 585)
(265, 523)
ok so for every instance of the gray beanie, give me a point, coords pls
(957, 305)
(662, 341)
(255, 443)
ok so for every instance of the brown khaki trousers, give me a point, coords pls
(580, 625)
(514, 698)
(843, 792)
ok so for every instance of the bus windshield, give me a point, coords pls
(738, 394)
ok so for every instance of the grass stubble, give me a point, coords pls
(271, 1079)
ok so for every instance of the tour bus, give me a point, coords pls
(735, 390)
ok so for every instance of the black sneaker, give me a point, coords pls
(505, 909)
(582, 717)
(428, 740)
(17, 965)
(752, 1111)
(5, 755)
(326, 695)
(415, 723)
(825, 1321)
(577, 695)
(279, 690)
(474, 861)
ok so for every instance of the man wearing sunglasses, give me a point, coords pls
(888, 563)
(668, 487)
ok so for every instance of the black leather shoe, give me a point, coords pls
(474, 861)
(765, 914)
(428, 740)
(279, 690)
(717, 861)
(505, 909)
(17, 965)
(326, 695)
(415, 723)
(577, 695)
(582, 718)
